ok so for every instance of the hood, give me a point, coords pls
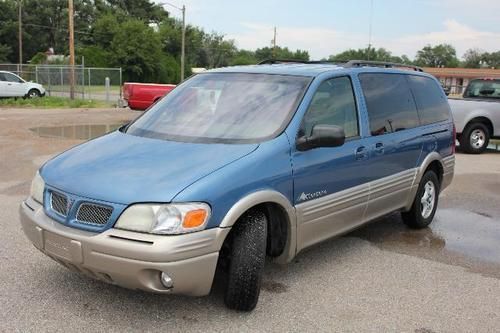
(125, 169)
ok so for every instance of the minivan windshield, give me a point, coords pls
(224, 107)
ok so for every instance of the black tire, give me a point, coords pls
(33, 93)
(475, 138)
(246, 262)
(415, 217)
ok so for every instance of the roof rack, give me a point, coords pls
(282, 61)
(347, 64)
(361, 63)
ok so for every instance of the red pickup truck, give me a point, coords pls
(141, 96)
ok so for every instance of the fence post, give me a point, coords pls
(50, 93)
(106, 84)
(36, 74)
(83, 80)
(121, 83)
(90, 88)
(62, 78)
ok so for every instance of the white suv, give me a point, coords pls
(12, 85)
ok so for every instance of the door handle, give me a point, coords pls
(361, 153)
(379, 148)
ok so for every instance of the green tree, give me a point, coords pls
(137, 49)
(94, 56)
(373, 54)
(492, 59)
(5, 51)
(442, 55)
(170, 31)
(280, 53)
(104, 29)
(217, 50)
(8, 31)
(144, 10)
(243, 57)
(473, 58)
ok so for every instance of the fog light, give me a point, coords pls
(166, 281)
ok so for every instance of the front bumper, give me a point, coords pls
(128, 259)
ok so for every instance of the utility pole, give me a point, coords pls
(274, 43)
(370, 30)
(20, 21)
(71, 50)
(183, 51)
(183, 46)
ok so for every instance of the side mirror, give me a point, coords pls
(322, 136)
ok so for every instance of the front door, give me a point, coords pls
(5, 86)
(330, 183)
(15, 86)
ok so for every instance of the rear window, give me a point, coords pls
(483, 89)
(389, 101)
(431, 102)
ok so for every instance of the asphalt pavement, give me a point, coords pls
(382, 277)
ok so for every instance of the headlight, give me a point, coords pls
(37, 187)
(165, 218)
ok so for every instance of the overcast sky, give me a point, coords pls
(325, 27)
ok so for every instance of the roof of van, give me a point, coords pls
(307, 69)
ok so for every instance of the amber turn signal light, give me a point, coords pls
(194, 218)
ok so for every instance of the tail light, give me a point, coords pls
(127, 91)
(454, 143)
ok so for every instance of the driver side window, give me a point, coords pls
(11, 78)
(332, 104)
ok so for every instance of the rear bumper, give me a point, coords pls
(128, 259)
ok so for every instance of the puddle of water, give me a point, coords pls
(469, 233)
(77, 132)
(456, 236)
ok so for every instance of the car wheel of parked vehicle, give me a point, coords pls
(247, 257)
(426, 200)
(475, 138)
(33, 93)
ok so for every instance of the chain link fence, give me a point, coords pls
(102, 84)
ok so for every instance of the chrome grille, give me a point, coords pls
(93, 214)
(59, 203)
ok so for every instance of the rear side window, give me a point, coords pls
(431, 103)
(389, 101)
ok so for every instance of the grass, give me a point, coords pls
(49, 102)
(97, 89)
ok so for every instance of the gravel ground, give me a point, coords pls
(380, 278)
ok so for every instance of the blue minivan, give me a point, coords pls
(242, 163)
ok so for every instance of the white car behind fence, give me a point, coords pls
(12, 85)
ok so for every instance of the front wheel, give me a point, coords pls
(426, 200)
(475, 138)
(33, 93)
(246, 261)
